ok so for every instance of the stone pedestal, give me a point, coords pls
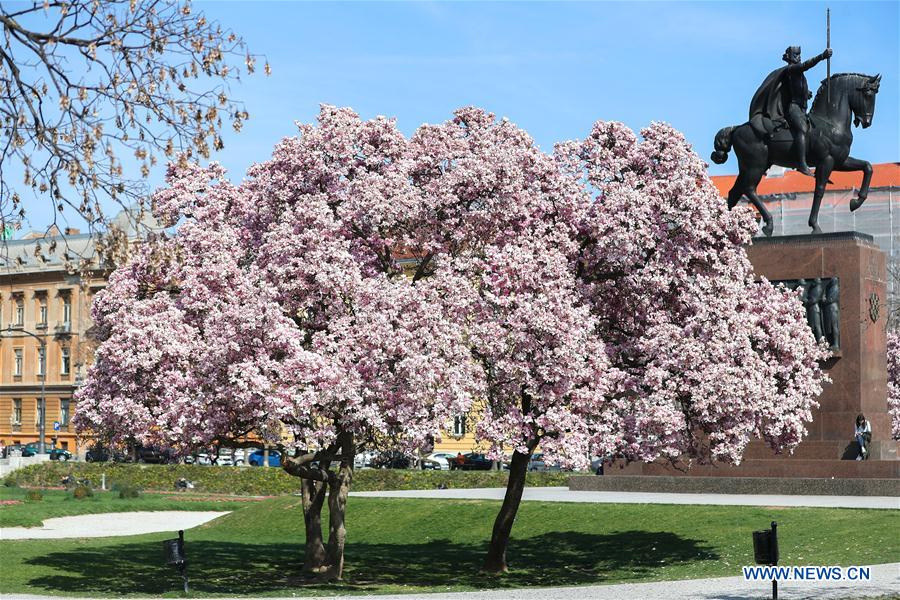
(858, 371)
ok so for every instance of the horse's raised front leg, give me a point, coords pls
(856, 164)
(823, 172)
(768, 226)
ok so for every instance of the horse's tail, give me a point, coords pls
(723, 145)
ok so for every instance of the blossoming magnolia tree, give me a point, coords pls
(278, 308)
(616, 310)
(893, 372)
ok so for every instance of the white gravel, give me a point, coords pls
(110, 525)
(885, 582)
(564, 494)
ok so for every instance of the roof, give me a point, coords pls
(20, 256)
(792, 182)
(31, 253)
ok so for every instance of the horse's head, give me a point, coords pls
(862, 103)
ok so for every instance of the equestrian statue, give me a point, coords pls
(780, 132)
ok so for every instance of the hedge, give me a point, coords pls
(258, 481)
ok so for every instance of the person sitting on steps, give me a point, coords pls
(863, 436)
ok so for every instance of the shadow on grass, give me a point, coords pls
(562, 558)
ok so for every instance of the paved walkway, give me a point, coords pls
(563, 494)
(110, 525)
(885, 581)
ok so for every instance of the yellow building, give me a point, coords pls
(40, 301)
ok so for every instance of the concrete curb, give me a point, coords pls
(735, 485)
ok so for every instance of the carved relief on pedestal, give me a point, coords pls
(821, 297)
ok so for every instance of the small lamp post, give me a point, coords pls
(174, 553)
(765, 551)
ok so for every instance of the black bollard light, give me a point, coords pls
(765, 551)
(174, 552)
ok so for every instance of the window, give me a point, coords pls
(19, 362)
(42, 361)
(459, 425)
(17, 411)
(64, 412)
(20, 311)
(65, 361)
(67, 310)
(42, 312)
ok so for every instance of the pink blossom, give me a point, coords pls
(893, 386)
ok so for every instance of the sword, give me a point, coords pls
(828, 62)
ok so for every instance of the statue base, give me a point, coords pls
(858, 371)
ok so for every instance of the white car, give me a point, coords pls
(442, 458)
(231, 457)
(364, 459)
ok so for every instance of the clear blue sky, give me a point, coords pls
(552, 68)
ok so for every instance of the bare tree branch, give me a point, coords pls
(94, 94)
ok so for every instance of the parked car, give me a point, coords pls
(98, 453)
(32, 448)
(472, 461)
(256, 458)
(60, 454)
(19, 450)
(428, 464)
(364, 460)
(443, 459)
(391, 460)
(223, 458)
(149, 454)
(537, 463)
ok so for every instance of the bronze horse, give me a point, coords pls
(828, 145)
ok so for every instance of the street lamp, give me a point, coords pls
(43, 412)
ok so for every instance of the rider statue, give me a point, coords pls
(782, 97)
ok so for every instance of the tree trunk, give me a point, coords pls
(339, 484)
(495, 561)
(314, 493)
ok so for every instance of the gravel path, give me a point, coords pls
(885, 582)
(563, 494)
(110, 525)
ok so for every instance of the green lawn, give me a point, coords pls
(414, 545)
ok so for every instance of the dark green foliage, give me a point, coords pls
(128, 491)
(261, 481)
(81, 492)
(34, 496)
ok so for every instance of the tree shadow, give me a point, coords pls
(559, 558)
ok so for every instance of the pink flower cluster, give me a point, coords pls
(893, 372)
(596, 300)
(709, 358)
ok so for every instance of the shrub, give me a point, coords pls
(262, 481)
(34, 496)
(128, 491)
(81, 492)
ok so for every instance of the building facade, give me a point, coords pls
(41, 301)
